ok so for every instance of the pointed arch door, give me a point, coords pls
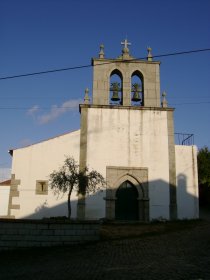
(126, 204)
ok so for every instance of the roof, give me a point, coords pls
(5, 183)
(11, 150)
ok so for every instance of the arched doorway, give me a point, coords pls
(126, 204)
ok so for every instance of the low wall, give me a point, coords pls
(41, 233)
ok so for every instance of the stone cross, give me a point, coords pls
(125, 43)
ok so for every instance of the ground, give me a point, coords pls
(157, 251)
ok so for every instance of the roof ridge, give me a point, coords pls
(65, 133)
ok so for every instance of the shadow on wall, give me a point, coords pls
(187, 196)
(160, 195)
(95, 205)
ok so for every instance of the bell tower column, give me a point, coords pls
(127, 89)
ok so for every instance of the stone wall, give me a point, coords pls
(34, 233)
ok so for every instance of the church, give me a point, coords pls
(127, 134)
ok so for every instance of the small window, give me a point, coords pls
(41, 187)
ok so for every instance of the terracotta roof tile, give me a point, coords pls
(5, 183)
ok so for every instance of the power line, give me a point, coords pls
(45, 72)
(181, 53)
(58, 98)
(191, 103)
(188, 97)
(71, 107)
(182, 97)
(90, 65)
(40, 108)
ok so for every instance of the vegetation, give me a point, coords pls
(204, 176)
(69, 177)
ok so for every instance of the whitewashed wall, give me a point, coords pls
(187, 182)
(131, 138)
(115, 137)
(4, 199)
(36, 162)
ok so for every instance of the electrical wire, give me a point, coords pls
(59, 98)
(73, 107)
(191, 103)
(90, 65)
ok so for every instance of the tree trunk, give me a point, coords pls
(69, 203)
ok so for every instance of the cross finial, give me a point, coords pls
(125, 43)
(101, 53)
(164, 101)
(149, 55)
(86, 99)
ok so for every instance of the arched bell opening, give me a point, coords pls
(116, 82)
(137, 89)
(126, 203)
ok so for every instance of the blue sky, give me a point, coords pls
(43, 35)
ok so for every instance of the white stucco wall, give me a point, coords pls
(36, 162)
(187, 182)
(115, 137)
(4, 199)
(131, 138)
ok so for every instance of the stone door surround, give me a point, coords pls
(138, 176)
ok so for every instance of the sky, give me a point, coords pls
(44, 35)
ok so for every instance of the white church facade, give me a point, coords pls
(126, 134)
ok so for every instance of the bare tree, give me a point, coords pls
(69, 178)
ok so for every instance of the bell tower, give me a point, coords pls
(138, 80)
(127, 134)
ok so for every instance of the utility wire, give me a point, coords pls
(40, 108)
(190, 103)
(109, 62)
(45, 72)
(71, 107)
(59, 98)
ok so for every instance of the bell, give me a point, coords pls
(115, 96)
(136, 97)
(136, 88)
